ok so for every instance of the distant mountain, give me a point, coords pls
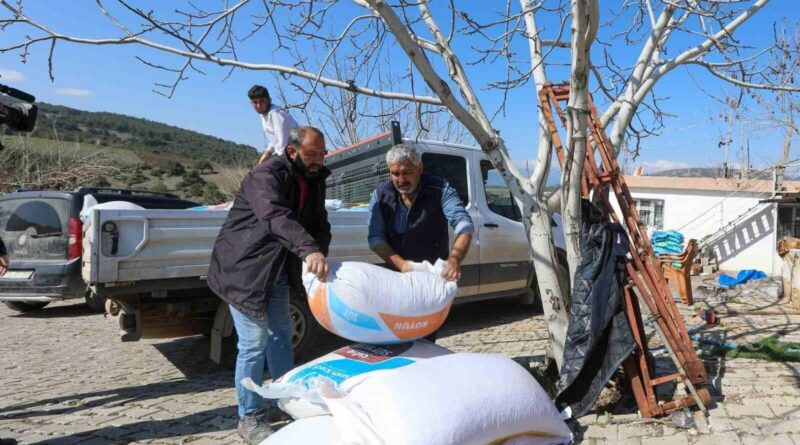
(142, 135)
(709, 172)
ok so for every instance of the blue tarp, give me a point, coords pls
(743, 277)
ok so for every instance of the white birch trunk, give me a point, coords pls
(551, 282)
(584, 27)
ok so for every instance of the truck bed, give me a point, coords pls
(170, 249)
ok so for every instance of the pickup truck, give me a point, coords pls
(151, 264)
(42, 232)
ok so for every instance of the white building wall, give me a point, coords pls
(697, 213)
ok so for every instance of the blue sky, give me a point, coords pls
(109, 78)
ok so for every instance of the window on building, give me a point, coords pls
(651, 212)
(788, 221)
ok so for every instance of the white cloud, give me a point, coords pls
(11, 76)
(78, 92)
(661, 164)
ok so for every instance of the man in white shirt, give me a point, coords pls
(277, 123)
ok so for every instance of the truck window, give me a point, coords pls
(355, 186)
(498, 196)
(451, 168)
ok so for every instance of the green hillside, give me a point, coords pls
(70, 148)
(117, 130)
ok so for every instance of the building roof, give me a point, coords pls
(710, 184)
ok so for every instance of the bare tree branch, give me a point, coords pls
(132, 39)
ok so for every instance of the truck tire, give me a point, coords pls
(305, 328)
(26, 306)
(95, 303)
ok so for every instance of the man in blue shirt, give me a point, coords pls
(409, 214)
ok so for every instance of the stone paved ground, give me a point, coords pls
(66, 378)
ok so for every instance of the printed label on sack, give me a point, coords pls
(318, 303)
(373, 353)
(349, 314)
(343, 369)
(406, 328)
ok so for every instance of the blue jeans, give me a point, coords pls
(259, 339)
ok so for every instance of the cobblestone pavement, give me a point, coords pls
(66, 378)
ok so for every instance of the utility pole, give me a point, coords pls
(780, 170)
(742, 159)
(725, 172)
(747, 171)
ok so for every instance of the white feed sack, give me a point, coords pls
(344, 368)
(371, 304)
(318, 430)
(90, 203)
(321, 430)
(455, 399)
(464, 399)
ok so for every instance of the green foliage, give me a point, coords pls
(191, 179)
(117, 130)
(135, 177)
(100, 182)
(175, 168)
(158, 186)
(769, 349)
(202, 166)
(194, 190)
(212, 194)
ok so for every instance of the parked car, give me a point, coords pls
(43, 233)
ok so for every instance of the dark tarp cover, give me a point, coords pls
(599, 337)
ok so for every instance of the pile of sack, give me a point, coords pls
(668, 242)
(394, 388)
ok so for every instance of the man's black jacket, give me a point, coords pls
(265, 232)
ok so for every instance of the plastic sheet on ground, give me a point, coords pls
(743, 277)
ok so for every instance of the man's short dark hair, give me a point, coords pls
(257, 91)
(298, 134)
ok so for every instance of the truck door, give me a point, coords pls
(505, 258)
(453, 168)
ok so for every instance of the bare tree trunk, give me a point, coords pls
(584, 28)
(552, 284)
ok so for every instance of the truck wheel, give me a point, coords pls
(94, 302)
(26, 306)
(305, 328)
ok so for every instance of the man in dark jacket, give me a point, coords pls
(409, 214)
(278, 219)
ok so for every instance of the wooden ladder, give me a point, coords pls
(647, 286)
